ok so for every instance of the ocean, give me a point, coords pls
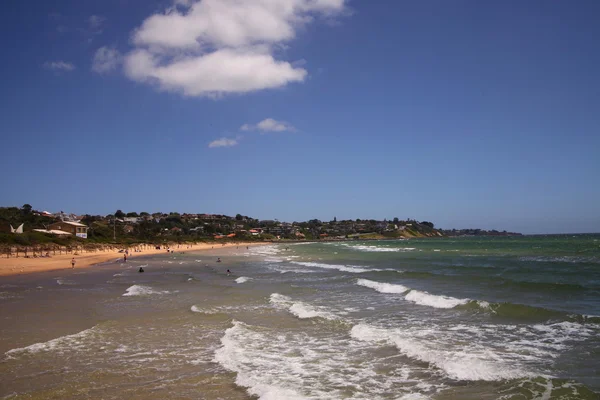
(506, 318)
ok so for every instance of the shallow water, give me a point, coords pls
(460, 318)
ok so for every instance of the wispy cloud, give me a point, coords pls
(106, 59)
(224, 142)
(216, 47)
(268, 125)
(96, 24)
(59, 66)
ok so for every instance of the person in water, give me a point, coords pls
(228, 272)
(219, 259)
(141, 269)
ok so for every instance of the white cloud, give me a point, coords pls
(268, 125)
(216, 47)
(106, 59)
(96, 23)
(59, 66)
(223, 142)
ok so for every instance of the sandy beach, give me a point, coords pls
(23, 265)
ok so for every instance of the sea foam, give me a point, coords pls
(372, 248)
(456, 362)
(382, 287)
(242, 279)
(415, 296)
(279, 364)
(250, 374)
(140, 290)
(72, 342)
(432, 300)
(300, 309)
(344, 268)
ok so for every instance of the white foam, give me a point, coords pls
(415, 296)
(242, 279)
(265, 250)
(432, 300)
(197, 309)
(73, 342)
(140, 290)
(460, 363)
(300, 309)
(62, 281)
(382, 287)
(277, 298)
(233, 357)
(344, 268)
(374, 248)
(295, 270)
(483, 304)
(563, 259)
(274, 259)
(414, 396)
(275, 363)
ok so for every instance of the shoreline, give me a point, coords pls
(23, 266)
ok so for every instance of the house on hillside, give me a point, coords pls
(74, 228)
(54, 232)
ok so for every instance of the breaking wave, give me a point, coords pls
(72, 342)
(456, 363)
(300, 309)
(141, 290)
(506, 310)
(432, 300)
(344, 268)
(382, 287)
(378, 249)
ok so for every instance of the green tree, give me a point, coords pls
(26, 208)
(120, 214)
(132, 214)
(396, 220)
(239, 217)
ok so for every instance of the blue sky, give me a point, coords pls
(463, 113)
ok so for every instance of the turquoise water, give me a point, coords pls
(454, 318)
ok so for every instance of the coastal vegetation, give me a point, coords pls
(130, 228)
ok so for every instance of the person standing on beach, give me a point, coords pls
(73, 263)
(125, 257)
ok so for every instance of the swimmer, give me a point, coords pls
(219, 259)
(228, 272)
(141, 269)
